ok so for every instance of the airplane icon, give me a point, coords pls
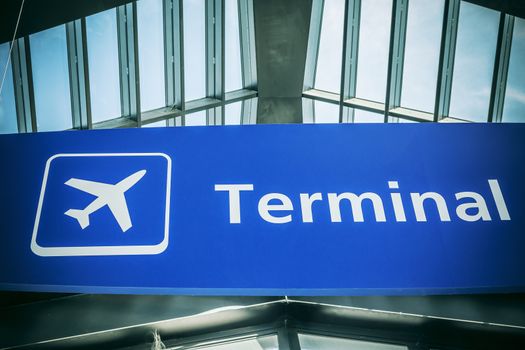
(107, 194)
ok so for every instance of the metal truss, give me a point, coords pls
(392, 109)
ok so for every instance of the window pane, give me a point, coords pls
(233, 113)
(194, 49)
(315, 342)
(195, 119)
(361, 116)
(233, 80)
(160, 123)
(51, 79)
(514, 107)
(474, 62)
(422, 45)
(325, 112)
(260, 343)
(328, 73)
(103, 65)
(151, 54)
(374, 39)
(8, 123)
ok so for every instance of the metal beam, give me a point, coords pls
(78, 74)
(313, 44)
(446, 59)
(128, 61)
(23, 85)
(215, 49)
(501, 68)
(247, 41)
(396, 55)
(350, 49)
(174, 53)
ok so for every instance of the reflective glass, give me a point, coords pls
(151, 54)
(195, 119)
(422, 46)
(103, 65)
(325, 112)
(514, 107)
(8, 123)
(474, 62)
(374, 39)
(194, 49)
(316, 342)
(51, 79)
(328, 73)
(259, 343)
(156, 124)
(232, 64)
(362, 116)
(233, 113)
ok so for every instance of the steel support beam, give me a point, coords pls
(446, 59)
(396, 55)
(128, 61)
(350, 49)
(173, 53)
(247, 41)
(313, 44)
(78, 74)
(215, 49)
(23, 85)
(501, 68)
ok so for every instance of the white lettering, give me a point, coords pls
(356, 203)
(265, 208)
(234, 199)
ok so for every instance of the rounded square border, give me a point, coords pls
(101, 250)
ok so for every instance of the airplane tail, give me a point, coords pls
(80, 215)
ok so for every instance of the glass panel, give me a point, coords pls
(260, 343)
(474, 62)
(374, 39)
(103, 65)
(232, 65)
(315, 342)
(51, 79)
(8, 123)
(328, 73)
(156, 124)
(151, 54)
(362, 116)
(325, 112)
(233, 113)
(194, 49)
(514, 107)
(422, 45)
(195, 119)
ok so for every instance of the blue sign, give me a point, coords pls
(265, 210)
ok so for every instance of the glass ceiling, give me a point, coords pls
(145, 62)
(398, 63)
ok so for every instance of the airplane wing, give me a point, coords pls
(119, 208)
(95, 188)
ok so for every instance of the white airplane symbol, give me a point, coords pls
(107, 194)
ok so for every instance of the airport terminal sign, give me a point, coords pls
(265, 210)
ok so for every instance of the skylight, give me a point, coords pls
(8, 122)
(103, 65)
(474, 62)
(514, 107)
(151, 54)
(50, 69)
